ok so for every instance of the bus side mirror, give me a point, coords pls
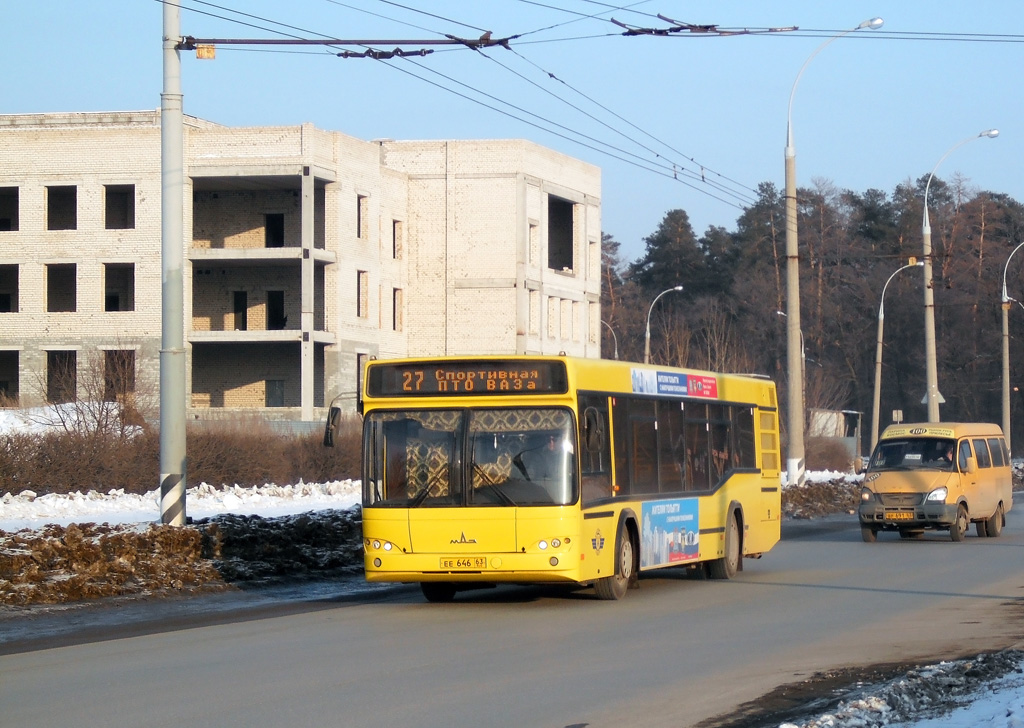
(331, 430)
(972, 465)
(859, 465)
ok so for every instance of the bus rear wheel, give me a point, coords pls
(994, 525)
(438, 591)
(615, 586)
(727, 566)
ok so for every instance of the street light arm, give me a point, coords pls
(881, 304)
(873, 24)
(1006, 298)
(647, 332)
(990, 133)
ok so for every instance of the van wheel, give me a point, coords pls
(438, 591)
(869, 534)
(615, 586)
(994, 525)
(958, 529)
(981, 528)
(727, 566)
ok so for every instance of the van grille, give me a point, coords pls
(901, 500)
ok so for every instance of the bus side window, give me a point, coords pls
(981, 450)
(997, 452)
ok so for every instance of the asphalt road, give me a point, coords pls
(676, 652)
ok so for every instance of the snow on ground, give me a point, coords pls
(27, 510)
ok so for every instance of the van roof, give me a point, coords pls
(942, 429)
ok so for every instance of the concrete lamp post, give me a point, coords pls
(795, 399)
(931, 367)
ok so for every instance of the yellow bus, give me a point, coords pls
(529, 469)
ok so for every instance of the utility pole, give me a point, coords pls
(172, 342)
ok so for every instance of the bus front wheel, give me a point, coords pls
(438, 591)
(958, 529)
(727, 566)
(615, 586)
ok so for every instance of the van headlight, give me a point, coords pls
(938, 495)
(866, 495)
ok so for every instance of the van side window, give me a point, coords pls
(981, 450)
(997, 452)
(965, 452)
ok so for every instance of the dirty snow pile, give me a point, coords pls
(985, 691)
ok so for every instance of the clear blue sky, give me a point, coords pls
(873, 109)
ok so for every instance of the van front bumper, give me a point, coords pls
(927, 515)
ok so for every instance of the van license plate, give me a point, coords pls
(464, 562)
(899, 516)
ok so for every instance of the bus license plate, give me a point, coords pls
(899, 516)
(464, 562)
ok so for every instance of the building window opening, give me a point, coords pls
(362, 294)
(9, 288)
(118, 375)
(273, 226)
(61, 376)
(61, 287)
(8, 209)
(396, 308)
(9, 378)
(118, 286)
(241, 310)
(396, 239)
(120, 207)
(362, 217)
(276, 319)
(274, 393)
(62, 207)
(560, 237)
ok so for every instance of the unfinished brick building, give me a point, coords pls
(306, 251)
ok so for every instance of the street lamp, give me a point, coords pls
(614, 337)
(878, 352)
(1006, 353)
(647, 335)
(931, 369)
(795, 458)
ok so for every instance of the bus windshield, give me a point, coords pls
(470, 457)
(918, 453)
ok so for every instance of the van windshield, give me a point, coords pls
(915, 453)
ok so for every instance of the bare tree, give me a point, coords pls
(100, 395)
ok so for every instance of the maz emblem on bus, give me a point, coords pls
(463, 539)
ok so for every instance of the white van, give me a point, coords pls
(939, 476)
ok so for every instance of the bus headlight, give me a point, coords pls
(555, 543)
(938, 495)
(542, 545)
(866, 495)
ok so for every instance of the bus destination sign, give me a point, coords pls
(459, 378)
